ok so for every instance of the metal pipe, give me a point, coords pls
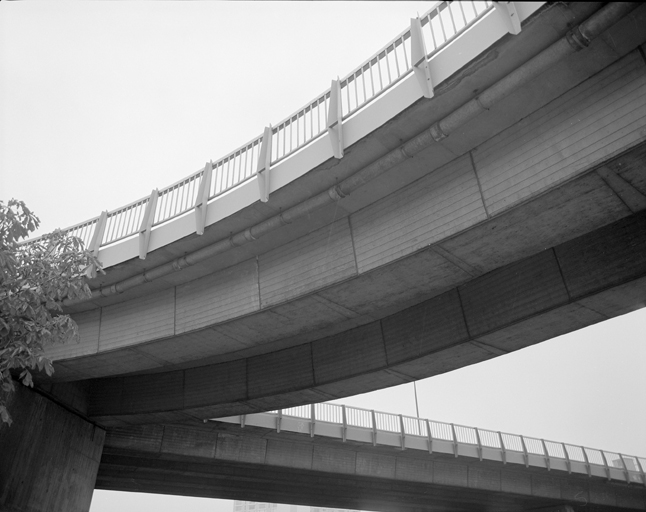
(575, 40)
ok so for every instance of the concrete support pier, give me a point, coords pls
(49, 457)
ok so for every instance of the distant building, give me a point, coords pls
(252, 506)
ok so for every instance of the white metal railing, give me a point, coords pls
(440, 25)
(410, 432)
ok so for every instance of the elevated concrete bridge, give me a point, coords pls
(502, 211)
(449, 201)
(367, 460)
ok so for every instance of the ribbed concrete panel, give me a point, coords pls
(88, 325)
(286, 453)
(447, 360)
(376, 464)
(431, 326)
(352, 352)
(144, 438)
(442, 203)
(188, 441)
(484, 478)
(226, 294)
(127, 361)
(415, 470)
(333, 460)
(404, 282)
(545, 326)
(633, 168)
(577, 207)
(631, 497)
(608, 257)
(191, 346)
(213, 384)
(512, 293)
(147, 393)
(241, 448)
(515, 482)
(574, 490)
(307, 264)
(356, 385)
(618, 300)
(446, 473)
(285, 370)
(602, 494)
(546, 486)
(602, 116)
(263, 326)
(137, 320)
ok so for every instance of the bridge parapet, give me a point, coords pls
(411, 55)
(407, 432)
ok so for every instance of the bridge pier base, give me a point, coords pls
(49, 456)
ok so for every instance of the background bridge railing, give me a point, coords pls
(382, 428)
(440, 26)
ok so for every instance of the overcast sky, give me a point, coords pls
(102, 102)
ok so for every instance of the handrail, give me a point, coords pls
(442, 24)
(459, 440)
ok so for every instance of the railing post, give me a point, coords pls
(455, 441)
(508, 11)
(430, 437)
(525, 454)
(344, 428)
(479, 444)
(243, 419)
(374, 428)
(335, 119)
(403, 432)
(567, 459)
(623, 463)
(278, 420)
(147, 224)
(587, 462)
(605, 463)
(312, 419)
(502, 448)
(95, 243)
(202, 201)
(641, 470)
(419, 61)
(547, 455)
(264, 163)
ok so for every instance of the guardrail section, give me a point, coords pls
(439, 26)
(406, 432)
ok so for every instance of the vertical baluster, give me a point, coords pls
(372, 80)
(464, 17)
(439, 16)
(455, 30)
(399, 74)
(406, 59)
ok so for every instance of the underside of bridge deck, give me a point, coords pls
(221, 461)
(525, 223)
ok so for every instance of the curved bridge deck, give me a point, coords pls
(503, 211)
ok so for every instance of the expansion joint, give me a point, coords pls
(576, 39)
(437, 133)
(335, 193)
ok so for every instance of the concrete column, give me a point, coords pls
(49, 457)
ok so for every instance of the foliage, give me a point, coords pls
(35, 279)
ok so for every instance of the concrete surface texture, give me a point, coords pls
(487, 240)
(219, 460)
